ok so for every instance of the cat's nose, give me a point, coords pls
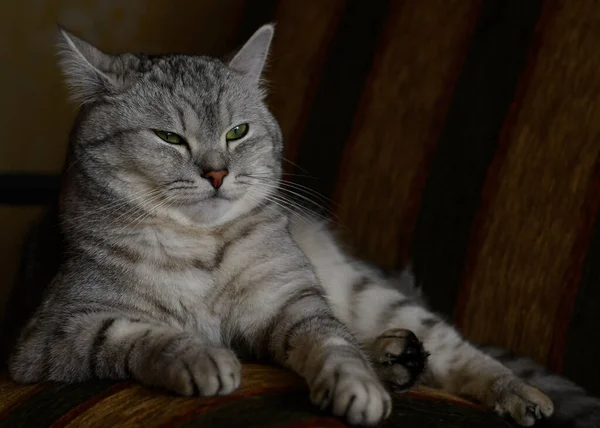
(215, 177)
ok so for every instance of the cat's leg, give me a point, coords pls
(375, 309)
(454, 364)
(305, 336)
(108, 345)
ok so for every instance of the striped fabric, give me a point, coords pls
(268, 398)
(464, 136)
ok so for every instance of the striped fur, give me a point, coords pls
(574, 407)
(454, 365)
(167, 279)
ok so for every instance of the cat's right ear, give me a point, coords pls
(86, 69)
(250, 59)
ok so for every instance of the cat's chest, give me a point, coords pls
(181, 267)
(171, 249)
(202, 279)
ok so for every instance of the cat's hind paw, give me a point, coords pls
(399, 358)
(524, 403)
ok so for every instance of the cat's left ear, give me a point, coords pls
(250, 59)
(87, 70)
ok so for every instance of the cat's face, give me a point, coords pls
(188, 137)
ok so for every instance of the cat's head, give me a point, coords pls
(187, 136)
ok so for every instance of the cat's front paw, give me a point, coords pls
(524, 403)
(201, 371)
(353, 392)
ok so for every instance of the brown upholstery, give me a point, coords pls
(268, 397)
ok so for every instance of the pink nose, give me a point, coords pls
(215, 177)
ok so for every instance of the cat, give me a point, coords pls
(182, 255)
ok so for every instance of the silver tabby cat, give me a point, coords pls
(182, 255)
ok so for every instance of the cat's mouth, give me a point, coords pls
(211, 198)
(218, 195)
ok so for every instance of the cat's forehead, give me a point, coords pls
(180, 73)
(198, 82)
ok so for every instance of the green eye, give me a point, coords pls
(237, 132)
(170, 137)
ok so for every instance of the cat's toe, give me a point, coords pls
(399, 358)
(525, 404)
(352, 391)
(202, 371)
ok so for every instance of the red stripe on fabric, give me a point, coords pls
(383, 40)
(413, 201)
(292, 145)
(82, 407)
(22, 400)
(492, 181)
(213, 402)
(574, 272)
(444, 399)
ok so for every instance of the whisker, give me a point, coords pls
(132, 209)
(303, 197)
(298, 187)
(72, 164)
(272, 183)
(300, 175)
(270, 175)
(149, 212)
(282, 203)
(117, 204)
(260, 205)
(293, 164)
(300, 211)
(309, 191)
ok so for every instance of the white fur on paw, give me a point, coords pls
(207, 372)
(353, 392)
(524, 403)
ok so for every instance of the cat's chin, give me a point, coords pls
(214, 211)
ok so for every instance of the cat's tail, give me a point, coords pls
(573, 406)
